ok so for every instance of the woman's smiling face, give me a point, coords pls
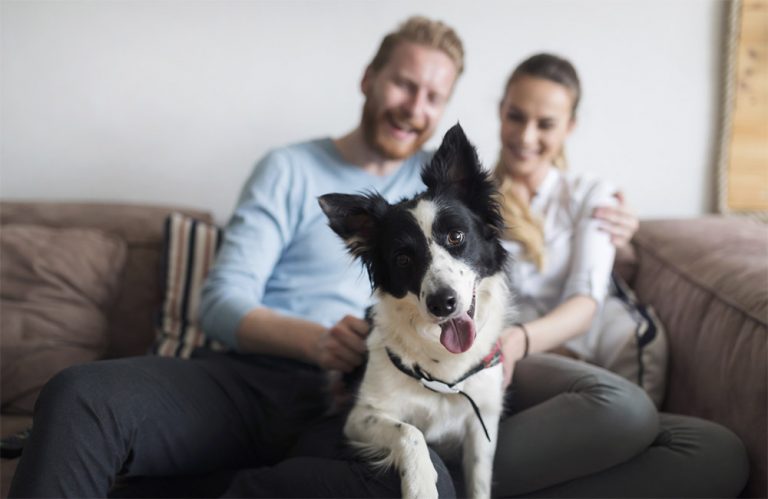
(536, 117)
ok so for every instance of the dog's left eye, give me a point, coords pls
(455, 238)
(402, 260)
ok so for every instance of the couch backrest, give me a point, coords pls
(131, 329)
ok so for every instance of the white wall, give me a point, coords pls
(172, 101)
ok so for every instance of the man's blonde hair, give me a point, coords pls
(422, 31)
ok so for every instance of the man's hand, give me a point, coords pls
(513, 348)
(619, 221)
(342, 347)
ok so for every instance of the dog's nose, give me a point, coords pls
(442, 302)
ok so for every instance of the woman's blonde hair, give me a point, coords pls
(522, 225)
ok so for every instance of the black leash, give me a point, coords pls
(439, 386)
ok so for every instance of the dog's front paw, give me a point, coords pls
(418, 483)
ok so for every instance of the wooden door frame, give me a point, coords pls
(730, 90)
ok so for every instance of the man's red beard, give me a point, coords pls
(389, 149)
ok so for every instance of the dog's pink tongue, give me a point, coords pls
(458, 334)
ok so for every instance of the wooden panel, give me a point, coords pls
(747, 158)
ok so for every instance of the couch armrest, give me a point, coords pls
(708, 281)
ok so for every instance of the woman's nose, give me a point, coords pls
(529, 134)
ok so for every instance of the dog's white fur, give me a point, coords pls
(395, 416)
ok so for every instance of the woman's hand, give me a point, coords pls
(342, 347)
(513, 348)
(619, 221)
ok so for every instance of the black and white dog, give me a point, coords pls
(436, 266)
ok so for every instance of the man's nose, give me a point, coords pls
(417, 102)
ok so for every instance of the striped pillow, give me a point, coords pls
(190, 250)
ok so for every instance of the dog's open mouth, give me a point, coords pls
(458, 334)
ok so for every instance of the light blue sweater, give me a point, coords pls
(278, 251)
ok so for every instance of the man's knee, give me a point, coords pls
(78, 388)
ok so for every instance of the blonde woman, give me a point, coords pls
(575, 430)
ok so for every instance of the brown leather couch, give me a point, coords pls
(131, 311)
(707, 278)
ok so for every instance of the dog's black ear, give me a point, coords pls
(455, 164)
(456, 169)
(353, 217)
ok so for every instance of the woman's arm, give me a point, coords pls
(571, 318)
(591, 256)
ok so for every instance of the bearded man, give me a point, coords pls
(284, 297)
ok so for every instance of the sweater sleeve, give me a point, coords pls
(592, 251)
(258, 231)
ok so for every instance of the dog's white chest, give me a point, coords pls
(445, 419)
(442, 412)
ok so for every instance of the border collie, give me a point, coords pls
(436, 267)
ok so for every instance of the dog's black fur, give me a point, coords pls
(436, 264)
(388, 240)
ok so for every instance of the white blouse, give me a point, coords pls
(578, 256)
